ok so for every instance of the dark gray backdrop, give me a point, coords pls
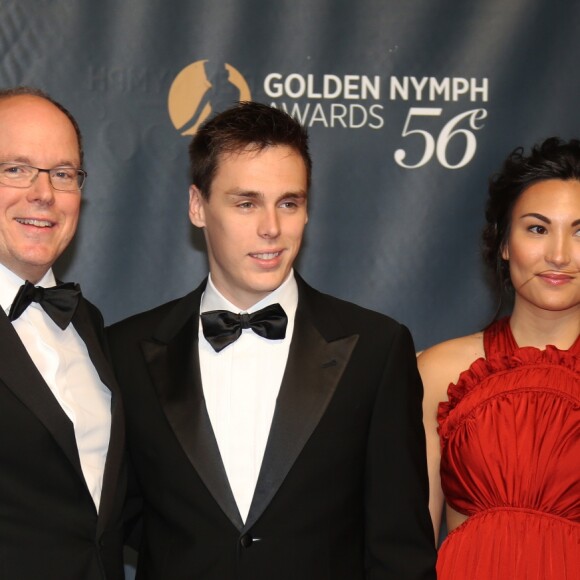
(404, 241)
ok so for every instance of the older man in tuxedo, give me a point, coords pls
(275, 432)
(61, 421)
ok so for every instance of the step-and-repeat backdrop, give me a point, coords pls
(410, 106)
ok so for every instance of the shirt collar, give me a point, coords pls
(10, 284)
(286, 295)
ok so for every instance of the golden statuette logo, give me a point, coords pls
(200, 89)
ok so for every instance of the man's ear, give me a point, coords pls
(196, 209)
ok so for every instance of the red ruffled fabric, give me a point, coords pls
(473, 384)
(510, 459)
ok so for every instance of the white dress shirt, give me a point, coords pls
(62, 359)
(240, 385)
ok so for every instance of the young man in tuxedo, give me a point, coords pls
(274, 431)
(61, 423)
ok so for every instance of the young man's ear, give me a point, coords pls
(196, 209)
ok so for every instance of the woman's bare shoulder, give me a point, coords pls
(470, 346)
(442, 364)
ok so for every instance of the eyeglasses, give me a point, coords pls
(61, 178)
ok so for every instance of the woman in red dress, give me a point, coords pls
(502, 406)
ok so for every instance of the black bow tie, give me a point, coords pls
(59, 302)
(221, 327)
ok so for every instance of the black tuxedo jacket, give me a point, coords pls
(49, 527)
(342, 493)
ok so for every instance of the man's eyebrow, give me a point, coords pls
(67, 163)
(16, 159)
(292, 195)
(244, 193)
(27, 161)
(249, 194)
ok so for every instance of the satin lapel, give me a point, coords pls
(174, 368)
(20, 375)
(86, 329)
(312, 373)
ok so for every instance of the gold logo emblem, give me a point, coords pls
(199, 89)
